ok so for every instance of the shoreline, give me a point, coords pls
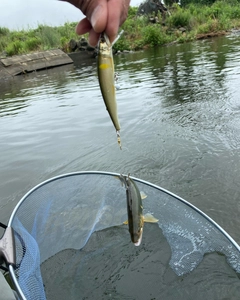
(141, 30)
(36, 61)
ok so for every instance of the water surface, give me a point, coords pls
(180, 116)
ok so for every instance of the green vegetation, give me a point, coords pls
(192, 20)
(39, 39)
(186, 23)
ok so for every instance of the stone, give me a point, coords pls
(72, 45)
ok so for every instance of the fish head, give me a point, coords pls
(136, 235)
(104, 44)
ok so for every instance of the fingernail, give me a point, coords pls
(95, 16)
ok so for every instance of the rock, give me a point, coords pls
(83, 42)
(90, 48)
(82, 48)
(3, 54)
(150, 7)
(154, 20)
(182, 29)
(72, 45)
(94, 53)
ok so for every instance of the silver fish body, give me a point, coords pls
(106, 78)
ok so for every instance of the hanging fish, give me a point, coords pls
(107, 81)
(136, 218)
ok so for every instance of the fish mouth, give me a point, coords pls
(138, 243)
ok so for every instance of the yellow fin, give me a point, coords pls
(126, 222)
(143, 195)
(149, 218)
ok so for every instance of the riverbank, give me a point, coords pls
(179, 25)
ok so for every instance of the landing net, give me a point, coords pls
(63, 212)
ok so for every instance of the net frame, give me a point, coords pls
(181, 200)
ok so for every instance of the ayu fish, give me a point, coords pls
(136, 218)
(107, 81)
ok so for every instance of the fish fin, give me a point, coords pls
(143, 195)
(126, 222)
(149, 218)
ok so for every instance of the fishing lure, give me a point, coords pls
(106, 79)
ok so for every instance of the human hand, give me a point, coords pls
(101, 15)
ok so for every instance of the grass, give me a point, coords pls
(182, 25)
(42, 38)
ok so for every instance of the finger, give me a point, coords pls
(83, 26)
(117, 14)
(113, 21)
(93, 38)
(98, 16)
(125, 8)
(95, 11)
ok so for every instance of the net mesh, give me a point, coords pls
(63, 212)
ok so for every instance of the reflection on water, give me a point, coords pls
(179, 111)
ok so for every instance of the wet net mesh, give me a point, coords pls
(63, 212)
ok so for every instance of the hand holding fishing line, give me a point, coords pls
(103, 18)
(101, 15)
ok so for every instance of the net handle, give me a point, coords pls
(7, 247)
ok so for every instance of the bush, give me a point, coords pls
(180, 18)
(32, 44)
(201, 2)
(154, 36)
(132, 11)
(3, 44)
(67, 30)
(64, 44)
(122, 44)
(214, 25)
(4, 31)
(49, 36)
(14, 48)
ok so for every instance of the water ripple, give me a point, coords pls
(180, 116)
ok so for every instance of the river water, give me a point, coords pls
(179, 111)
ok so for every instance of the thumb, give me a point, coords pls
(99, 16)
